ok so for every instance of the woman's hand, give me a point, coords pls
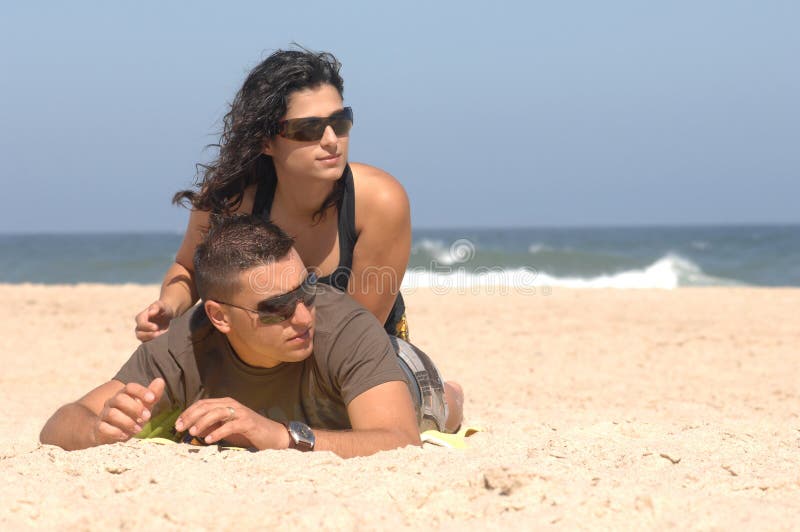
(178, 292)
(153, 321)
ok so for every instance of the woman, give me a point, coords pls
(283, 155)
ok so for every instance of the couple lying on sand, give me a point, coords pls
(272, 351)
(270, 360)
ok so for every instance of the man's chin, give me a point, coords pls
(301, 349)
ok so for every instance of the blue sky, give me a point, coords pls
(504, 114)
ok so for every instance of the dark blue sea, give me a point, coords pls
(623, 257)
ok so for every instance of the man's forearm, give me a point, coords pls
(348, 444)
(70, 428)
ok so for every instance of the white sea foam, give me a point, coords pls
(536, 248)
(456, 252)
(670, 271)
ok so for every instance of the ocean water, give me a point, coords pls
(628, 257)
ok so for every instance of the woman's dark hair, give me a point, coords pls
(252, 119)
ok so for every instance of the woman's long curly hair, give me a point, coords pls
(252, 119)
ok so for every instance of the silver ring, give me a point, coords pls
(231, 413)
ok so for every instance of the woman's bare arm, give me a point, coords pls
(178, 292)
(380, 257)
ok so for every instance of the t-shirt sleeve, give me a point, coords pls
(146, 364)
(362, 357)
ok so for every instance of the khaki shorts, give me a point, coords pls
(425, 384)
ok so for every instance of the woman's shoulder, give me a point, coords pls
(378, 194)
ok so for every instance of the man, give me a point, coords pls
(271, 360)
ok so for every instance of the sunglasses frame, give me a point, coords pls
(285, 305)
(312, 128)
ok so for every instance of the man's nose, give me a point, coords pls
(302, 314)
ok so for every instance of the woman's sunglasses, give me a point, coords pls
(312, 127)
(281, 308)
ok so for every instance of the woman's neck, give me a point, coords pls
(303, 199)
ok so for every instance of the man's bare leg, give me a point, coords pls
(454, 397)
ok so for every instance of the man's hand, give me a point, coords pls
(153, 321)
(124, 413)
(226, 419)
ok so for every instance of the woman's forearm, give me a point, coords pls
(178, 291)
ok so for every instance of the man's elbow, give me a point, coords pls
(406, 437)
(47, 436)
(62, 430)
(387, 439)
(44, 437)
(414, 437)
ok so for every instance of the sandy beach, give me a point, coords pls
(604, 409)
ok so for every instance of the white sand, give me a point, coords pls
(605, 408)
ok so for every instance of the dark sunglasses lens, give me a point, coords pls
(305, 129)
(309, 295)
(283, 307)
(272, 317)
(307, 291)
(308, 129)
(341, 126)
(278, 309)
(342, 121)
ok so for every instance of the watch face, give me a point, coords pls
(302, 435)
(305, 432)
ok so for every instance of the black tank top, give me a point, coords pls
(346, 209)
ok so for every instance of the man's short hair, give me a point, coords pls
(235, 244)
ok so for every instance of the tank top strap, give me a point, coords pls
(347, 221)
(346, 228)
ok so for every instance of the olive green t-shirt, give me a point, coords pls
(351, 354)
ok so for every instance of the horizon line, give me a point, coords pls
(646, 225)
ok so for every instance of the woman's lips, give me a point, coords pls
(331, 160)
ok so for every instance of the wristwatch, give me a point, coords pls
(302, 437)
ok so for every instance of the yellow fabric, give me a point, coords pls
(402, 328)
(452, 441)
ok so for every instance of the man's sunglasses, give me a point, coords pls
(312, 127)
(281, 308)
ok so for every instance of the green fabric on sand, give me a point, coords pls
(162, 427)
(161, 430)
